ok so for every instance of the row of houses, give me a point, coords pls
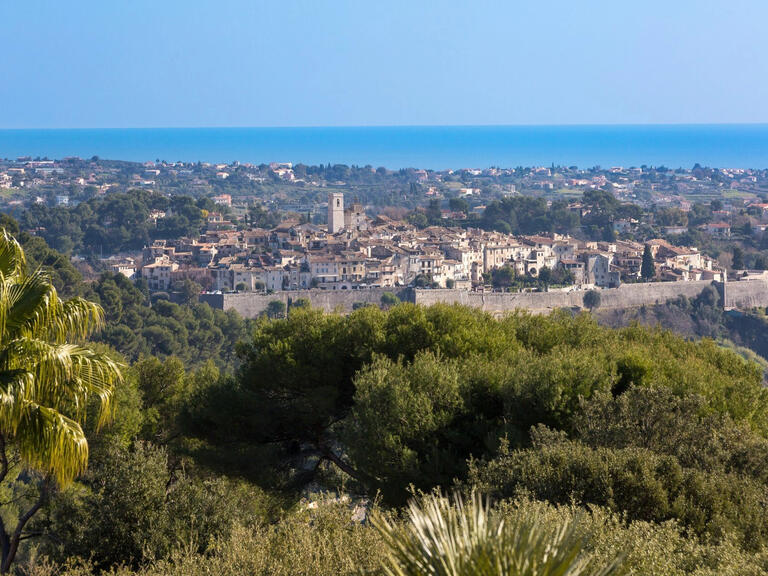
(357, 252)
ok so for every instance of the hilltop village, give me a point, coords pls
(272, 227)
(356, 252)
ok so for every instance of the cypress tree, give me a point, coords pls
(647, 270)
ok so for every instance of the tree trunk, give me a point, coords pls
(331, 456)
(10, 546)
(9, 543)
(5, 539)
(5, 549)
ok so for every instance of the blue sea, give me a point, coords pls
(435, 147)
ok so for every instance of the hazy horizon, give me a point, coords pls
(431, 147)
(365, 126)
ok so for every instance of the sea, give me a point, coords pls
(396, 147)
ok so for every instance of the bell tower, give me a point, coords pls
(335, 212)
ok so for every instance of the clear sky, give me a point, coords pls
(152, 63)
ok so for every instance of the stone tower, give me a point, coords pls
(335, 212)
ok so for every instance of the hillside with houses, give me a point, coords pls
(356, 252)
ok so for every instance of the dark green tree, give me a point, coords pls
(737, 262)
(275, 309)
(592, 299)
(434, 213)
(459, 205)
(502, 277)
(647, 268)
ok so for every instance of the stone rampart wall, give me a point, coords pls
(744, 294)
(250, 304)
(626, 296)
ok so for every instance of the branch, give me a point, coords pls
(11, 546)
(331, 456)
(33, 510)
(29, 535)
(12, 500)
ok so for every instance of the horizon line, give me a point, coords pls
(368, 126)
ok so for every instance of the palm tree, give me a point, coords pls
(48, 379)
(451, 538)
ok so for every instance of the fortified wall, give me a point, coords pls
(251, 304)
(626, 296)
(746, 294)
(743, 294)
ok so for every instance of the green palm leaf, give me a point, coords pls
(47, 376)
(12, 260)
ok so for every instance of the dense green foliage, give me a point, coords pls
(325, 542)
(702, 317)
(127, 507)
(664, 438)
(116, 222)
(194, 332)
(405, 397)
(654, 446)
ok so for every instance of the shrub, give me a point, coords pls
(636, 482)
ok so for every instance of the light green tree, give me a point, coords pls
(48, 379)
(388, 299)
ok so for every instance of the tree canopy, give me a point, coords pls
(407, 396)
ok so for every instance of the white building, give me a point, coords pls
(158, 274)
(335, 212)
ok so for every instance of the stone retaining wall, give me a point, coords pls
(744, 294)
(626, 296)
(250, 304)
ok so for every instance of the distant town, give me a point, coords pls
(72, 180)
(294, 227)
(356, 252)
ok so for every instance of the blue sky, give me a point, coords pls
(136, 63)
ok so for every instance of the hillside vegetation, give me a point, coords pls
(291, 452)
(660, 440)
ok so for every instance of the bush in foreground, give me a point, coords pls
(326, 541)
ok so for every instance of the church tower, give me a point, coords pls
(335, 212)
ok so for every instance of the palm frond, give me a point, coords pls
(66, 375)
(30, 304)
(12, 261)
(14, 387)
(49, 441)
(451, 538)
(79, 318)
(48, 378)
